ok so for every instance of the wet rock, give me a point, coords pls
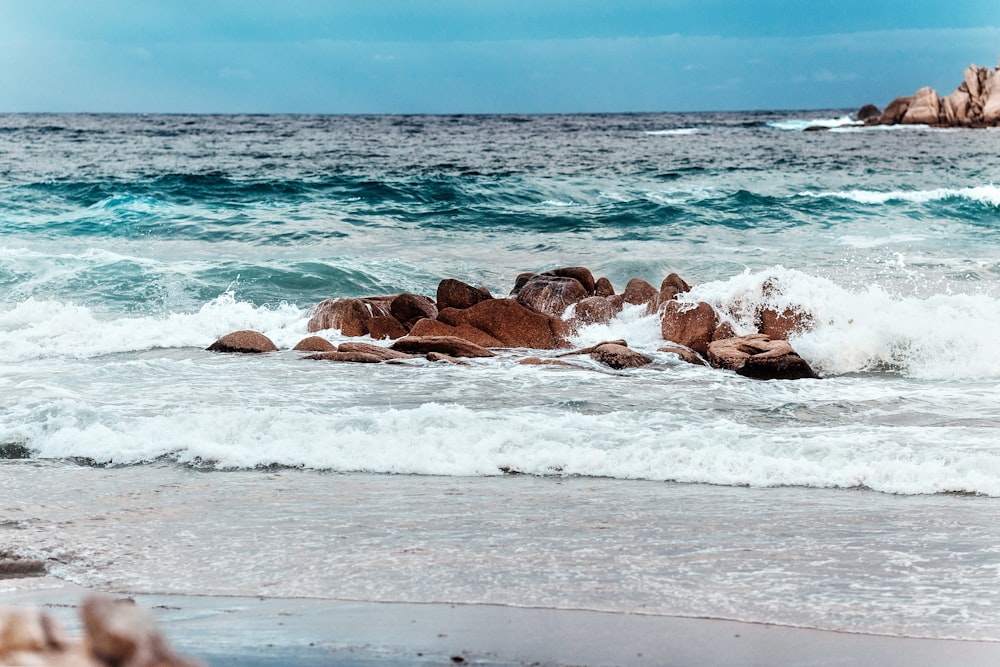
(245, 342)
(723, 331)
(444, 358)
(315, 344)
(382, 328)
(579, 273)
(408, 308)
(588, 350)
(690, 356)
(671, 286)
(544, 361)
(783, 325)
(868, 112)
(603, 287)
(520, 281)
(449, 345)
(894, 113)
(757, 356)
(350, 316)
(687, 325)
(383, 353)
(453, 293)
(594, 310)
(511, 323)
(551, 295)
(350, 357)
(619, 356)
(464, 331)
(639, 292)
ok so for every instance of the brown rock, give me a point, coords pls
(894, 113)
(619, 356)
(603, 287)
(353, 357)
(780, 326)
(690, 356)
(383, 353)
(437, 356)
(955, 107)
(924, 108)
(757, 356)
(519, 282)
(639, 292)
(544, 361)
(594, 310)
(588, 350)
(315, 344)
(511, 323)
(671, 286)
(412, 307)
(381, 328)
(350, 316)
(724, 331)
(579, 273)
(464, 331)
(689, 326)
(24, 631)
(453, 293)
(868, 112)
(449, 345)
(551, 295)
(247, 342)
(991, 98)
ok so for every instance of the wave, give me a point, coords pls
(798, 124)
(676, 132)
(983, 194)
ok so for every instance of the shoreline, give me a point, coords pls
(266, 631)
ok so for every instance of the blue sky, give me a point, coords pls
(482, 56)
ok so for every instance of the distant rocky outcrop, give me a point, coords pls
(974, 103)
(542, 312)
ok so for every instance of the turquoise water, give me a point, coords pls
(129, 243)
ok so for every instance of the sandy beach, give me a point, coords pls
(224, 631)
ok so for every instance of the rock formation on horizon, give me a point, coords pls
(974, 103)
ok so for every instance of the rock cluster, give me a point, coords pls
(118, 634)
(541, 312)
(974, 103)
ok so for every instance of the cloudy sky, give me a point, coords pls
(481, 56)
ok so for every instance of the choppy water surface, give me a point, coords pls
(129, 243)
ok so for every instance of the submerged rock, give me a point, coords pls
(448, 345)
(757, 356)
(619, 356)
(314, 344)
(245, 342)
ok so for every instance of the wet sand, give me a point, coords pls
(256, 631)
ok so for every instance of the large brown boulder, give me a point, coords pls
(894, 113)
(350, 316)
(991, 98)
(955, 107)
(783, 325)
(453, 293)
(594, 310)
(314, 344)
(579, 273)
(639, 292)
(603, 287)
(924, 108)
(868, 114)
(448, 345)
(619, 356)
(246, 342)
(757, 356)
(687, 325)
(464, 331)
(511, 323)
(551, 295)
(381, 328)
(408, 308)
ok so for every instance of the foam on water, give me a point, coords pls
(984, 194)
(676, 132)
(797, 125)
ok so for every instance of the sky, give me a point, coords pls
(483, 56)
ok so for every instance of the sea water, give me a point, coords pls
(137, 461)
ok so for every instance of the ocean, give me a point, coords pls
(136, 461)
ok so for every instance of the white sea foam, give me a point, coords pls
(36, 328)
(986, 194)
(676, 132)
(939, 336)
(798, 124)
